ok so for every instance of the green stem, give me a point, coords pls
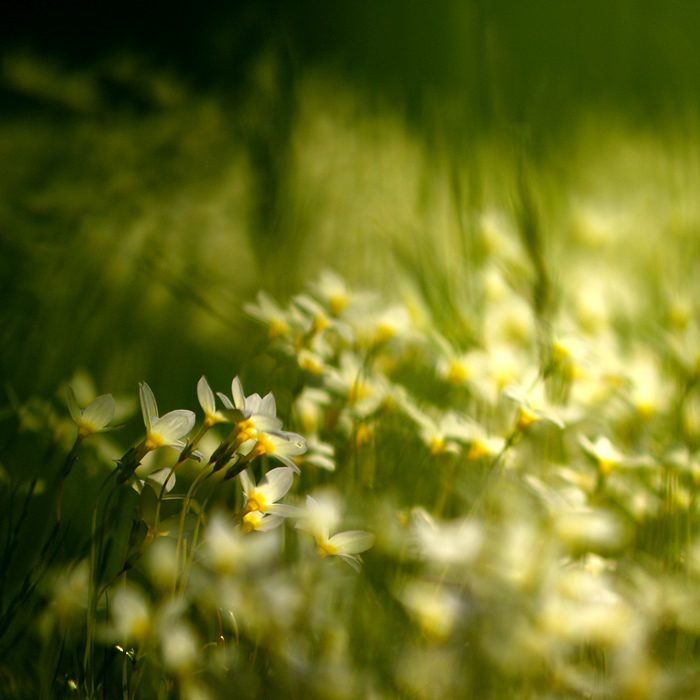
(183, 514)
(92, 597)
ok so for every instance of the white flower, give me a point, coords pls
(442, 435)
(97, 415)
(436, 609)
(208, 403)
(166, 430)
(262, 498)
(319, 454)
(131, 616)
(281, 445)
(532, 408)
(266, 310)
(346, 545)
(445, 543)
(608, 456)
(261, 413)
(226, 549)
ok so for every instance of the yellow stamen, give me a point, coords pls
(256, 501)
(457, 373)
(477, 450)
(277, 328)
(437, 446)
(525, 419)
(337, 303)
(323, 549)
(153, 442)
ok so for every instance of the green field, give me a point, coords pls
(460, 249)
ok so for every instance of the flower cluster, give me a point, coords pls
(501, 477)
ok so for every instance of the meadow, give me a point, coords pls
(298, 403)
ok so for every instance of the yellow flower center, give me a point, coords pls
(278, 327)
(437, 445)
(357, 391)
(606, 465)
(457, 373)
(251, 521)
(320, 323)
(153, 442)
(86, 428)
(363, 433)
(477, 450)
(559, 353)
(256, 501)
(526, 418)
(337, 303)
(310, 364)
(323, 549)
(385, 332)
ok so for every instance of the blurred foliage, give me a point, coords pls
(503, 176)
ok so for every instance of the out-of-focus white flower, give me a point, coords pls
(227, 549)
(442, 434)
(269, 312)
(317, 521)
(95, 418)
(435, 608)
(319, 454)
(533, 408)
(650, 393)
(590, 530)
(179, 646)
(608, 457)
(131, 616)
(363, 391)
(445, 543)
(334, 292)
(310, 408)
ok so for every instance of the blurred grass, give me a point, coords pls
(141, 201)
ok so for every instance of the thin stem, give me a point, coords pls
(204, 474)
(92, 598)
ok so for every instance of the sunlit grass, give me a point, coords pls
(484, 367)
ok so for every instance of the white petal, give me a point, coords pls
(321, 462)
(352, 541)
(158, 477)
(100, 411)
(276, 483)
(288, 462)
(266, 423)
(269, 522)
(287, 443)
(149, 408)
(75, 412)
(206, 396)
(225, 400)
(353, 560)
(237, 393)
(268, 405)
(172, 426)
(285, 511)
(247, 482)
(232, 415)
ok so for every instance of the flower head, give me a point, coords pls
(346, 545)
(166, 430)
(212, 416)
(95, 418)
(262, 498)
